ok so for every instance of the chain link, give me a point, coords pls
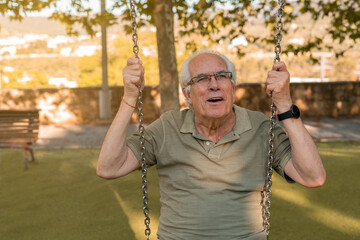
(266, 193)
(133, 26)
(279, 25)
(141, 128)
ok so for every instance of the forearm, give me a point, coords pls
(305, 166)
(114, 151)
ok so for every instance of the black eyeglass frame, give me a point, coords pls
(198, 78)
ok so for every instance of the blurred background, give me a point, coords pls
(61, 85)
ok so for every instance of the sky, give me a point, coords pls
(64, 5)
(94, 4)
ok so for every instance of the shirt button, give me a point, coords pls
(208, 143)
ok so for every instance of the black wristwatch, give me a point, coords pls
(294, 112)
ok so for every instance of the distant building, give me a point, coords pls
(12, 41)
(86, 50)
(59, 82)
(54, 42)
(35, 37)
(9, 50)
(5, 79)
(8, 69)
(24, 79)
(66, 52)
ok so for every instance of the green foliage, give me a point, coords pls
(121, 50)
(13, 79)
(86, 19)
(39, 80)
(297, 64)
(38, 46)
(201, 23)
(218, 20)
(343, 68)
(90, 70)
(256, 69)
(87, 70)
(221, 20)
(58, 67)
(252, 70)
(17, 9)
(39, 69)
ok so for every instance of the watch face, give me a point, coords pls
(295, 111)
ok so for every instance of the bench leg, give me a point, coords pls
(26, 158)
(32, 155)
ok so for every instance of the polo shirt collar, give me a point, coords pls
(242, 124)
(188, 125)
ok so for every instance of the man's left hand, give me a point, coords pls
(278, 87)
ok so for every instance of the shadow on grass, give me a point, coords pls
(58, 197)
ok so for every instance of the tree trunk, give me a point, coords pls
(169, 81)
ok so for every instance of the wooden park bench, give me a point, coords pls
(19, 129)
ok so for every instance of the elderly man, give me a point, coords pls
(211, 158)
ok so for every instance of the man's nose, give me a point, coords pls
(213, 83)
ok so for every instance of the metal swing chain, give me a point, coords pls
(141, 128)
(265, 200)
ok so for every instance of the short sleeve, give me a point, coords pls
(153, 142)
(282, 152)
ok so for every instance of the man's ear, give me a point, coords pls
(186, 95)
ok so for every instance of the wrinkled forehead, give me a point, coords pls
(206, 63)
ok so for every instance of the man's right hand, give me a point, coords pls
(116, 159)
(133, 76)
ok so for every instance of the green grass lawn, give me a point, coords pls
(60, 197)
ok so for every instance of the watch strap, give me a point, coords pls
(285, 115)
(294, 112)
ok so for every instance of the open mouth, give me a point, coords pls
(215, 99)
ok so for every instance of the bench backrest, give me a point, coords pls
(19, 126)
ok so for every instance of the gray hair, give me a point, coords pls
(185, 73)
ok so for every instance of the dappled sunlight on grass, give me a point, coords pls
(348, 150)
(128, 193)
(344, 155)
(136, 219)
(322, 214)
(330, 212)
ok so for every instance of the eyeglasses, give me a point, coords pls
(205, 79)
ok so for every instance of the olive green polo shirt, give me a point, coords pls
(211, 190)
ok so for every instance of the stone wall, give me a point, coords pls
(315, 100)
(80, 105)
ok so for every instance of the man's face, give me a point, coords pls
(215, 98)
